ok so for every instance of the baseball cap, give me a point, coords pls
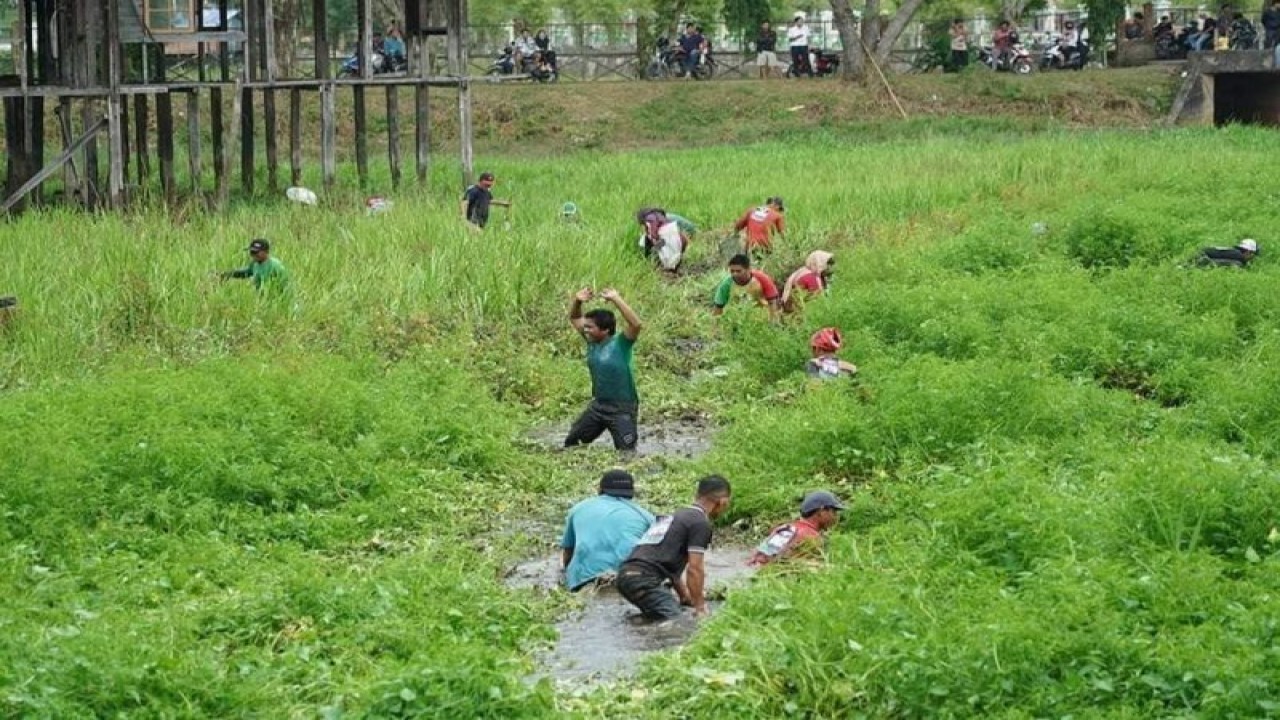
(486, 176)
(259, 246)
(618, 483)
(819, 500)
(775, 201)
(1248, 244)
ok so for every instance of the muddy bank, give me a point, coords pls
(683, 438)
(606, 639)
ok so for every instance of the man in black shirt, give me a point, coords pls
(766, 58)
(672, 551)
(477, 199)
(691, 43)
(1237, 257)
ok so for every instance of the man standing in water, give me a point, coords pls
(614, 401)
(672, 551)
(601, 531)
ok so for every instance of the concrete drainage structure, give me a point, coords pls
(1237, 86)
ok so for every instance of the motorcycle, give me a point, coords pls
(668, 61)
(1073, 57)
(823, 62)
(378, 61)
(1017, 60)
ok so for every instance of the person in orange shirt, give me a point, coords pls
(760, 224)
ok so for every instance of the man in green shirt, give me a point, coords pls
(614, 402)
(267, 272)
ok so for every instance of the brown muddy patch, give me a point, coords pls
(685, 437)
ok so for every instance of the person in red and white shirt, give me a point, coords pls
(757, 226)
(819, 512)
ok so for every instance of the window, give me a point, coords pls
(170, 15)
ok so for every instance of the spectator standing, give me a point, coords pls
(1002, 40)
(766, 44)
(959, 45)
(1271, 24)
(798, 42)
(393, 46)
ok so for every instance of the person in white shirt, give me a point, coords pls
(798, 39)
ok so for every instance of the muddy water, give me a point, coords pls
(687, 438)
(607, 639)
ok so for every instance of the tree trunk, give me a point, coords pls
(897, 26)
(852, 57)
(871, 24)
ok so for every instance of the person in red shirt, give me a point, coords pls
(759, 225)
(812, 279)
(819, 512)
(755, 285)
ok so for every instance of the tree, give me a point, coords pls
(1102, 20)
(742, 17)
(872, 37)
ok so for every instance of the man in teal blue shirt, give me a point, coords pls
(614, 402)
(267, 273)
(601, 531)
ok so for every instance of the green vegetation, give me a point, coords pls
(1061, 447)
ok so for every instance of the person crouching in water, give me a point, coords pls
(819, 512)
(600, 532)
(813, 279)
(824, 365)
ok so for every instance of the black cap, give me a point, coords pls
(775, 201)
(259, 245)
(618, 483)
(486, 176)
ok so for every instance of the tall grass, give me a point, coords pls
(1060, 449)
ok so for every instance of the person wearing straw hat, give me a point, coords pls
(819, 512)
(600, 532)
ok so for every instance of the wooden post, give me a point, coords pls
(457, 23)
(164, 145)
(270, 68)
(362, 137)
(238, 96)
(295, 136)
(422, 117)
(88, 116)
(193, 139)
(115, 128)
(70, 178)
(393, 134)
(320, 29)
(224, 49)
(141, 119)
(327, 160)
(215, 130)
(366, 39)
(244, 123)
(126, 162)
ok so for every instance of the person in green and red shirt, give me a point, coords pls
(819, 512)
(743, 281)
(758, 225)
(614, 401)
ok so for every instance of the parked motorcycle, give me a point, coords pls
(378, 61)
(823, 62)
(668, 61)
(1017, 60)
(1073, 57)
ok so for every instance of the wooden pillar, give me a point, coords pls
(457, 24)
(115, 113)
(164, 145)
(422, 117)
(327, 160)
(245, 120)
(270, 70)
(362, 136)
(295, 136)
(125, 128)
(320, 29)
(238, 94)
(141, 121)
(224, 48)
(193, 140)
(215, 133)
(363, 17)
(70, 178)
(393, 134)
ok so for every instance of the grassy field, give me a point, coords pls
(1060, 450)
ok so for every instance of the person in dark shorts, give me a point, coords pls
(477, 199)
(672, 552)
(614, 401)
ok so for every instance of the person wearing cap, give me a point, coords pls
(614, 401)
(477, 199)
(754, 285)
(600, 532)
(267, 272)
(819, 512)
(671, 551)
(824, 365)
(757, 226)
(811, 279)
(1238, 257)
